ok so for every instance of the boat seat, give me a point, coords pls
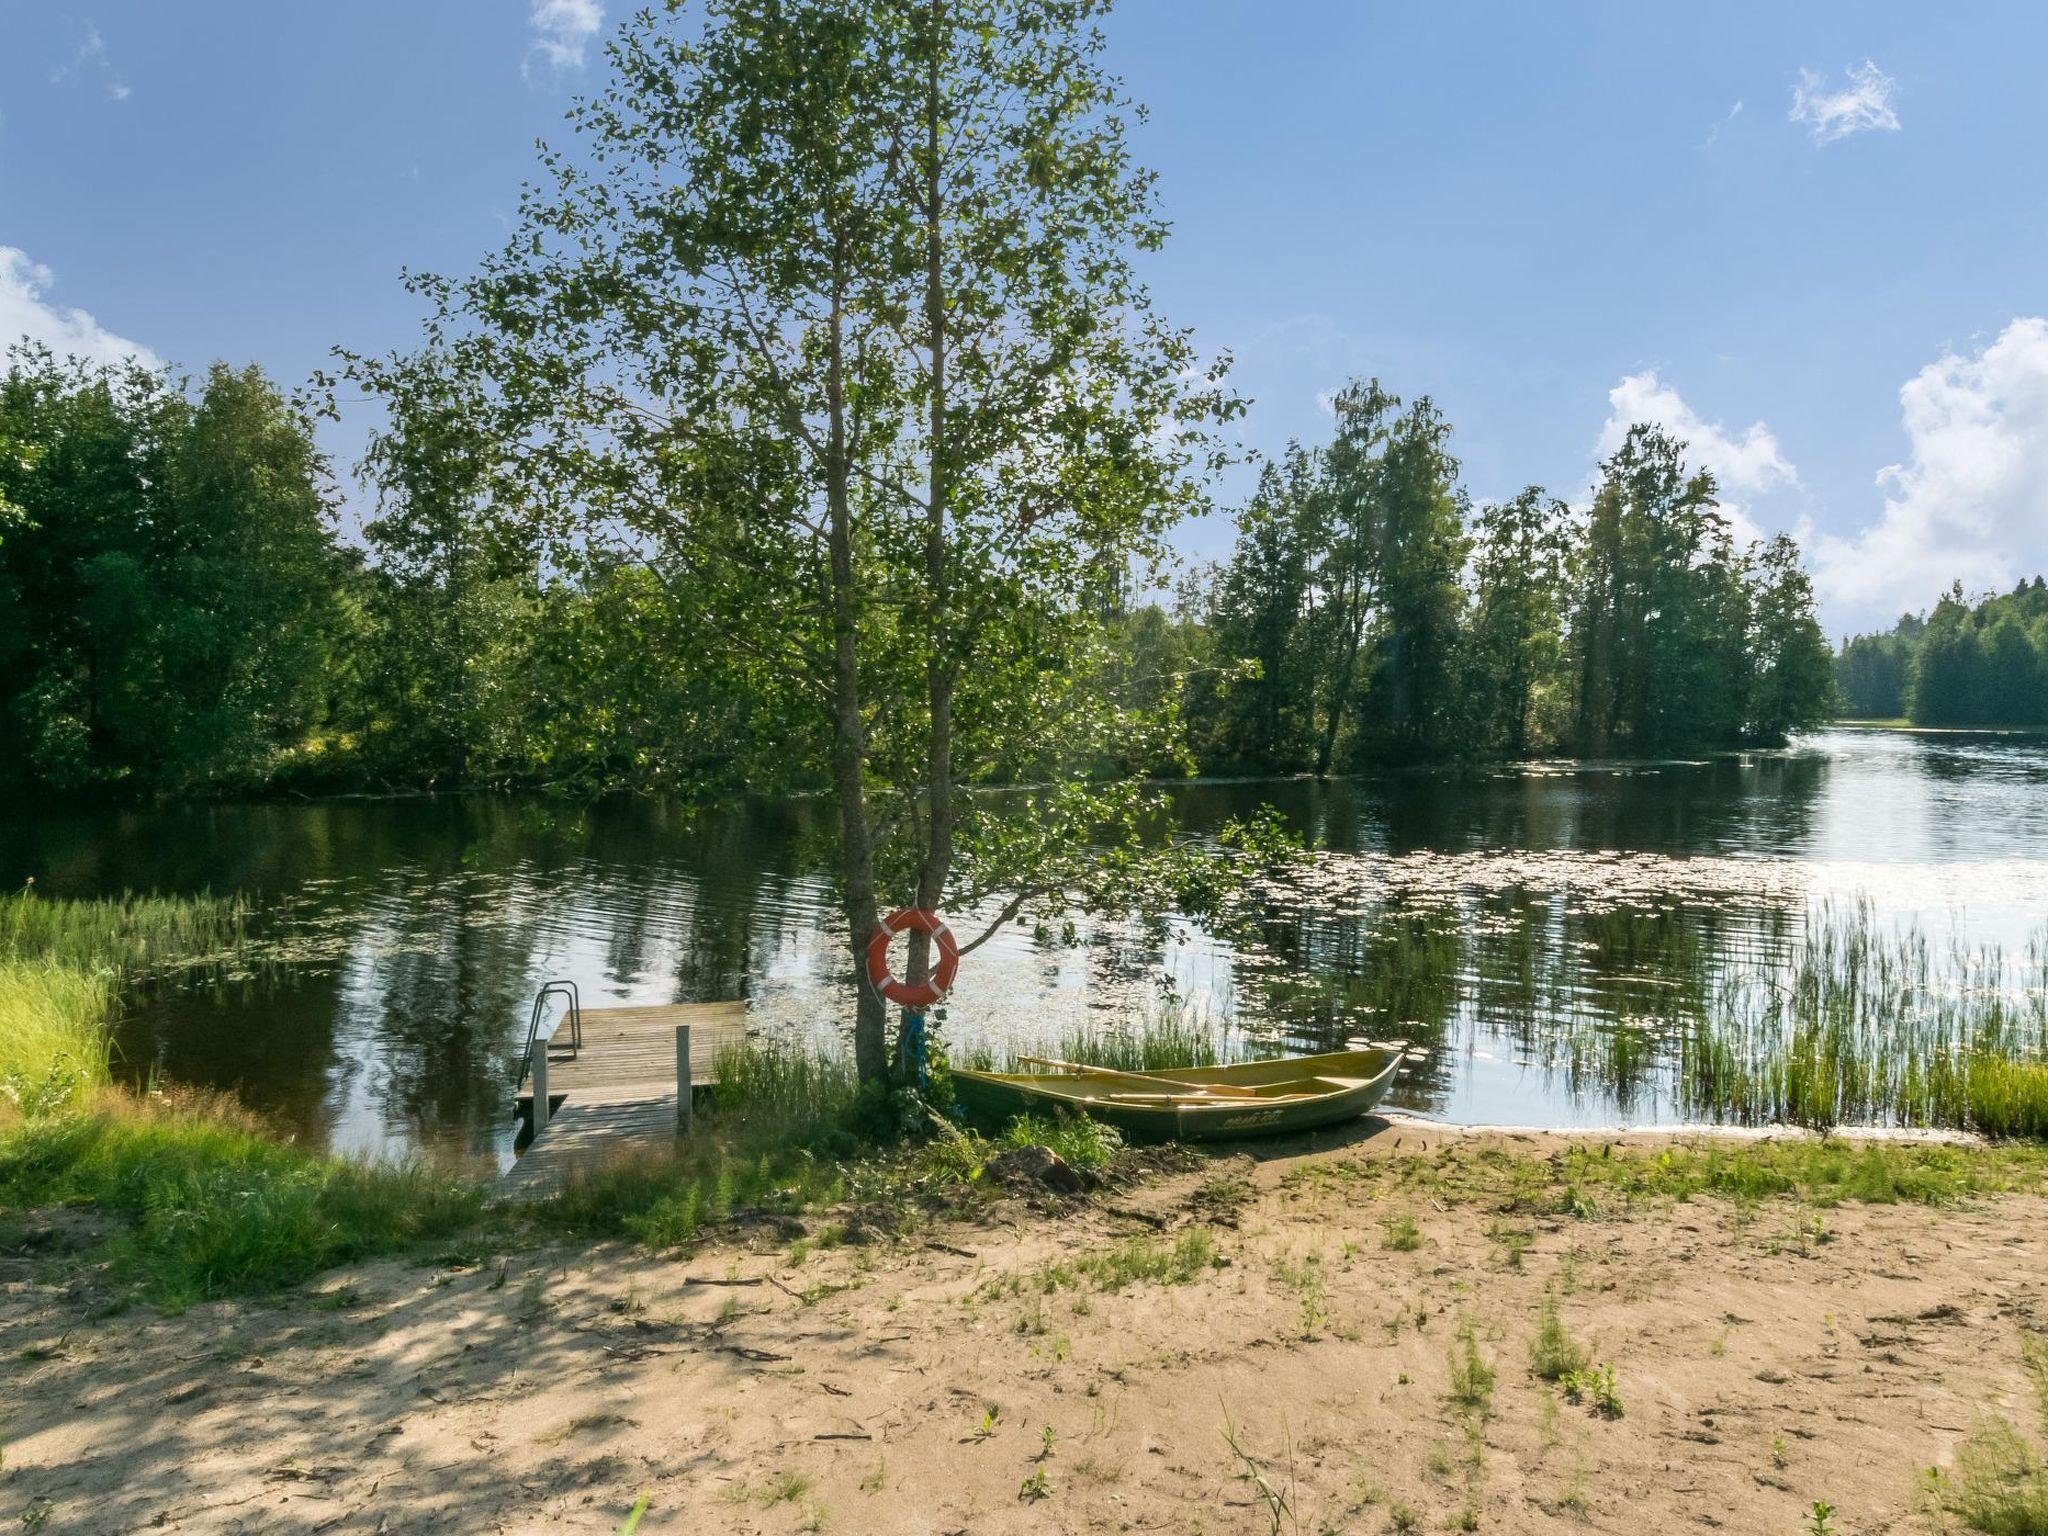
(1343, 1082)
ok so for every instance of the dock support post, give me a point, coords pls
(685, 1109)
(540, 1085)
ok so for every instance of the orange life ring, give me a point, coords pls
(881, 978)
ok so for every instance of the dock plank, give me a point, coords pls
(588, 1132)
(618, 1092)
(622, 1046)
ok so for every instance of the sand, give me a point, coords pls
(932, 1384)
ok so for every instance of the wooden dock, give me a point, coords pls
(618, 1092)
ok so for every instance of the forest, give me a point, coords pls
(182, 615)
(1961, 664)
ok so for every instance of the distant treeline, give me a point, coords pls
(178, 614)
(1391, 621)
(1962, 664)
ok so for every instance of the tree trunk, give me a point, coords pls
(849, 733)
(941, 668)
(1340, 692)
(1518, 722)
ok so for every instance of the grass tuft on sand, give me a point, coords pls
(1555, 1354)
(1999, 1486)
(1141, 1260)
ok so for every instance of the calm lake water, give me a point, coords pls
(1530, 929)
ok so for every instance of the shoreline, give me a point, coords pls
(287, 791)
(1348, 1323)
(1915, 1135)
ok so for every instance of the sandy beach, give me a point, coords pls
(1302, 1340)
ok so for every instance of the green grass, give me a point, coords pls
(1866, 1025)
(1472, 1379)
(1822, 1172)
(62, 966)
(776, 1134)
(53, 1039)
(1825, 1017)
(2034, 1356)
(1588, 1179)
(1167, 1038)
(1999, 1486)
(1833, 1017)
(1134, 1261)
(789, 1130)
(205, 1200)
(210, 1203)
(1400, 1233)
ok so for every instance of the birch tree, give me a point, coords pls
(830, 314)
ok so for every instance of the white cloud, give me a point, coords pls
(92, 52)
(1722, 122)
(91, 62)
(1862, 105)
(1747, 463)
(1971, 501)
(25, 313)
(563, 30)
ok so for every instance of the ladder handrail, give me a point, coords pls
(573, 1003)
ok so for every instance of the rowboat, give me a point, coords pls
(1252, 1098)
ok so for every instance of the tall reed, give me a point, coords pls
(63, 964)
(135, 935)
(1870, 1025)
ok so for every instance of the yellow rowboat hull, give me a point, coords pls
(1254, 1098)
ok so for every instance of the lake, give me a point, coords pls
(1539, 933)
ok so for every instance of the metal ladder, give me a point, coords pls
(573, 1002)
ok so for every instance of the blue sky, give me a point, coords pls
(1810, 237)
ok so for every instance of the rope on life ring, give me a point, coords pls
(884, 981)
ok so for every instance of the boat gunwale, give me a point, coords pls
(1066, 1087)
